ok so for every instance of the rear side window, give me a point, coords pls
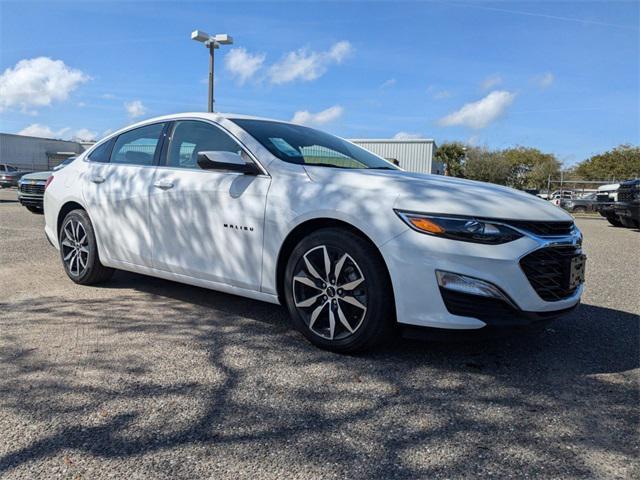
(138, 146)
(102, 152)
(190, 137)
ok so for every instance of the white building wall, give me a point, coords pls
(413, 155)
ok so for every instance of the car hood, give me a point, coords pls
(36, 176)
(445, 195)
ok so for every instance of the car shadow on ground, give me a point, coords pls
(260, 384)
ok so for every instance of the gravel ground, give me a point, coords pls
(144, 378)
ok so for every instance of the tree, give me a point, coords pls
(518, 167)
(485, 165)
(530, 168)
(621, 163)
(452, 155)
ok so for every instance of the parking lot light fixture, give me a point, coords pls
(211, 42)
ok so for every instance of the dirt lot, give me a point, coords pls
(144, 378)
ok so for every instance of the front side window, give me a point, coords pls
(307, 146)
(190, 137)
(11, 169)
(138, 146)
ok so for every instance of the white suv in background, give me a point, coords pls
(351, 244)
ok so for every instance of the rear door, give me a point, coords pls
(117, 188)
(207, 224)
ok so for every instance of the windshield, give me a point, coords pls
(307, 146)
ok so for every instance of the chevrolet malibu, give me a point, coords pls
(352, 245)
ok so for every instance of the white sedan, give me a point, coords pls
(352, 245)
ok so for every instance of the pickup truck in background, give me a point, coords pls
(606, 198)
(627, 206)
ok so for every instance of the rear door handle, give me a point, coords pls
(96, 179)
(163, 184)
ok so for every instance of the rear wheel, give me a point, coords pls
(79, 251)
(338, 292)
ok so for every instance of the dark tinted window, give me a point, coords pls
(307, 146)
(138, 146)
(102, 152)
(11, 169)
(190, 137)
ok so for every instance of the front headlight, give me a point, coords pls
(466, 229)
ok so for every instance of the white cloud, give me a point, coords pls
(325, 116)
(388, 83)
(545, 80)
(108, 96)
(135, 108)
(43, 131)
(37, 130)
(473, 140)
(242, 64)
(481, 113)
(85, 134)
(491, 81)
(307, 65)
(38, 82)
(407, 136)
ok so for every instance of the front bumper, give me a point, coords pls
(31, 201)
(413, 258)
(628, 210)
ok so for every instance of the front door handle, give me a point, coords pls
(96, 178)
(163, 184)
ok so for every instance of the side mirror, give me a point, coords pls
(229, 161)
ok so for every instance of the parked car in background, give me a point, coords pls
(31, 187)
(606, 197)
(352, 245)
(559, 195)
(9, 175)
(627, 208)
(583, 204)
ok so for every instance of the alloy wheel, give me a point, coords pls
(75, 247)
(330, 292)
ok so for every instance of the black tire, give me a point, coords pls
(36, 210)
(628, 222)
(614, 220)
(363, 267)
(83, 248)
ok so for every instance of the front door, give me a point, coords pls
(116, 191)
(207, 224)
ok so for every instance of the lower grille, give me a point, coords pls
(548, 271)
(32, 189)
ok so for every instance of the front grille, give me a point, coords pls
(543, 229)
(37, 189)
(548, 271)
(625, 195)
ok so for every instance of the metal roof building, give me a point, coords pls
(35, 153)
(413, 155)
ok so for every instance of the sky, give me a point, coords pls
(563, 77)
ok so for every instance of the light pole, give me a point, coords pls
(211, 42)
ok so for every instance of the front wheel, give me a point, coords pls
(79, 251)
(338, 292)
(614, 220)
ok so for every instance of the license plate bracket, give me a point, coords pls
(576, 273)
